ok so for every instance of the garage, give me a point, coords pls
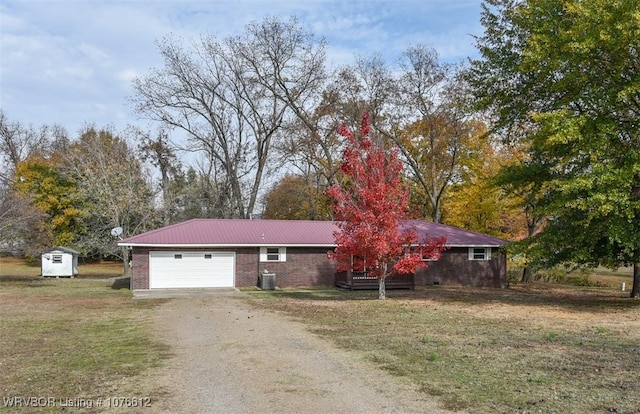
(191, 269)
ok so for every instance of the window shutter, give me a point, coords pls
(267, 254)
(474, 253)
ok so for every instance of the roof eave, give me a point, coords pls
(474, 245)
(218, 246)
(227, 246)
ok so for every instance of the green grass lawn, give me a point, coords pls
(73, 338)
(541, 348)
(597, 277)
(534, 349)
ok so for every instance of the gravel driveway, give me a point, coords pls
(233, 358)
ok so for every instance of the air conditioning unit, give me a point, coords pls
(268, 281)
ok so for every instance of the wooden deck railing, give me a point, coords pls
(362, 280)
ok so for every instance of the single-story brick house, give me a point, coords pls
(202, 253)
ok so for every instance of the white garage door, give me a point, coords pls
(191, 269)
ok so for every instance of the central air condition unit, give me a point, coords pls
(268, 281)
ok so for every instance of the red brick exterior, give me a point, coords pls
(455, 268)
(140, 268)
(305, 266)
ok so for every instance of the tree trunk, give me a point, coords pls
(166, 196)
(382, 293)
(635, 290)
(125, 261)
(526, 275)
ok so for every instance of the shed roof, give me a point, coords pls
(62, 249)
(238, 232)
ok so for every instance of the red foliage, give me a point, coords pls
(370, 208)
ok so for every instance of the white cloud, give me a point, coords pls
(72, 61)
(128, 75)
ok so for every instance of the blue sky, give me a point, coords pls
(71, 62)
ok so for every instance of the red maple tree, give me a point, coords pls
(370, 207)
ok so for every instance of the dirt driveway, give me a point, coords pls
(233, 358)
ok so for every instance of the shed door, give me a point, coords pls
(191, 269)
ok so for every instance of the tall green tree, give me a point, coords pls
(563, 78)
(199, 195)
(527, 186)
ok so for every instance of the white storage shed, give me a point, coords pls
(60, 262)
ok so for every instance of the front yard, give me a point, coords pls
(535, 349)
(67, 342)
(543, 348)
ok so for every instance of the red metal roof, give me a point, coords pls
(455, 237)
(237, 232)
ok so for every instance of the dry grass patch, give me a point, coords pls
(543, 348)
(15, 269)
(73, 338)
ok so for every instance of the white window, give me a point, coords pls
(57, 258)
(273, 254)
(479, 253)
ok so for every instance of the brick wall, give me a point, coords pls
(140, 268)
(247, 269)
(455, 268)
(303, 267)
(311, 267)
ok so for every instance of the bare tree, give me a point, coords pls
(315, 153)
(429, 123)
(18, 142)
(295, 76)
(287, 61)
(418, 107)
(19, 220)
(113, 187)
(160, 153)
(231, 98)
(313, 147)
